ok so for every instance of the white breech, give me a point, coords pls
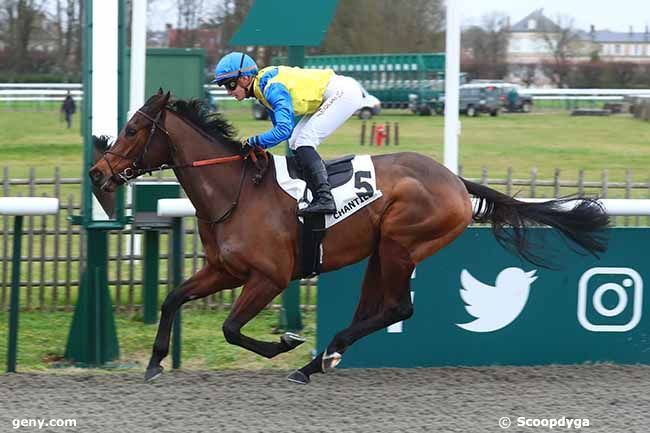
(343, 96)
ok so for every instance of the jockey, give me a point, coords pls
(324, 99)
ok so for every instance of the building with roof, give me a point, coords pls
(628, 46)
(531, 39)
(527, 42)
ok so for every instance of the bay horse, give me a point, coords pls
(249, 231)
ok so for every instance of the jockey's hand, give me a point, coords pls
(246, 145)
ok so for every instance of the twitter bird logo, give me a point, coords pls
(495, 307)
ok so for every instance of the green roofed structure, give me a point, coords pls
(286, 23)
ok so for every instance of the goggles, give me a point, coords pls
(229, 83)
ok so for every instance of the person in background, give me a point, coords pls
(324, 99)
(68, 108)
(513, 96)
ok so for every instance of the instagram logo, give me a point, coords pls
(610, 299)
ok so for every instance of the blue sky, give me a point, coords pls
(616, 15)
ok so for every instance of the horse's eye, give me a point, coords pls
(130, 132)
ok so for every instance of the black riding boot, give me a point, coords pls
(316, 177)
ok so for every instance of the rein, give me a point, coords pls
(129, 173)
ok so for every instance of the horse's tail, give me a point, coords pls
(584, 224)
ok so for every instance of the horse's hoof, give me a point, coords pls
(330, 360)
(298, 377)
(152, 373)
(291, 340)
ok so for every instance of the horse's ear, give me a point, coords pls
(166, 98)
(160, 91)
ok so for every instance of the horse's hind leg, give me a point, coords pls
(257, 293)
(385, 299)
(203, 283)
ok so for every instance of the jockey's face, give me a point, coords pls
(239, 92)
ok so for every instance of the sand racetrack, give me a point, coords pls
(613, 398)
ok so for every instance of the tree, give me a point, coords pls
(563, 43)
(587, 74)
(487, 46)
(622, 74)
(189, 19)
(385, 26)
(67, 23)
(528, 75)
(17, 20)
(229, 15)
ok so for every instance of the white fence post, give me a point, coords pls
(19, 207)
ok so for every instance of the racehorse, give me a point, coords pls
(249, 229)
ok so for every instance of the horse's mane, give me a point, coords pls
(213, 124)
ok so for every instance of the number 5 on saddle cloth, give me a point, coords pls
(354, 186)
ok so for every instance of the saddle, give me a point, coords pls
(339, 170)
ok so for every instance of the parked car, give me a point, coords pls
(511, 97)
(371, 107)
(433, 100)
(475, 99)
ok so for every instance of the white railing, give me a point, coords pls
(217, 92)
(10, 92)
(577, 98)
(574, 96)
(37, 92)
(537, 92)
(15, 92)
(38, 95)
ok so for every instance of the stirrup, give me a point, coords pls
(316, 208)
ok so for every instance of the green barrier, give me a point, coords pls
(476, 304)
(176, 256)
(12, 351)
(145, 202)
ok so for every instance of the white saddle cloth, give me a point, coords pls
(355, 194)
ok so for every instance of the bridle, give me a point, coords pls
(136, 170)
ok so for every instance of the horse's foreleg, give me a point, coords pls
(257, 293)
(385, 299)
(205, 282)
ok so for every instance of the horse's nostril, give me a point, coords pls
(96, 175)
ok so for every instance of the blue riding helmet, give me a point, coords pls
(232, 66)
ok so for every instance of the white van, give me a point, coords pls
(371, 105)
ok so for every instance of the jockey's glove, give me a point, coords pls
(248, 144)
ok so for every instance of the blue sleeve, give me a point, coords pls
(282, 116)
